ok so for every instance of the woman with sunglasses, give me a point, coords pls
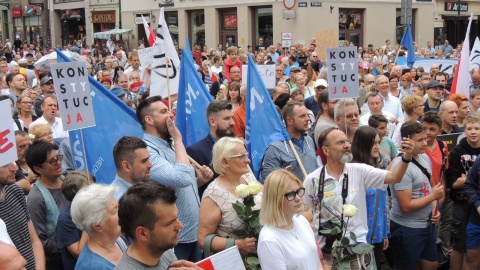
(24, 111)
(286, 240)
(218, 220)
(45, 199)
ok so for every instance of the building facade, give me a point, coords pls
(243, 22)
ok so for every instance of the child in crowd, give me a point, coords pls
(232, 60)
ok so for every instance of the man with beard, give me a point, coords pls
(148, 215)
(220, 120)
(171, 167)
(280, 155)
(347, 117)
(415, 213)
(46, 200)
(360, 177)
(49, 108)
(326, 118)
(132, 161)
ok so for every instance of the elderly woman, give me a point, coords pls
(94, 211)
(41, 132)
(217, 216)
(286, 240)
(70, 240)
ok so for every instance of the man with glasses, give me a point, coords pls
(360, 177)
(279, 76)
(391, 103)
(221, 123)
(347, 116)
(47, 87)
(46, 200)
(280, 155)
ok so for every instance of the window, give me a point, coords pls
(197, 27)
(350, 26)
(400, 28)
(263, 23)
(171, 18)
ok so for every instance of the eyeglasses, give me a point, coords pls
(27, 102)
(343, 142)
(50, 134)
(290, 196)
(54, 161)
(350, 116)
(240, 156)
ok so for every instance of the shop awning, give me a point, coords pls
(107, 34)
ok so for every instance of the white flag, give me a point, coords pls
(164, 49)
(475, 55)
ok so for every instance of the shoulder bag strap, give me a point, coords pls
(52, 211)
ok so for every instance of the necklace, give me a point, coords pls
(294, 231)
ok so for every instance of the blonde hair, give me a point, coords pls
(223, 149)
(410, 102)
(276, 184)
(36, 131)
(473, 118)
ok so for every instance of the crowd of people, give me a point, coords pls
(418, 202)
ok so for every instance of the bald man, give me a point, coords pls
(448, 113)
(475, 79)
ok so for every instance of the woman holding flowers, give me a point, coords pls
(220, 227)
(286, 240)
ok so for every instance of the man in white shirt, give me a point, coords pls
(375, 107)
(49, 108)
(391, 103)
(360, 177)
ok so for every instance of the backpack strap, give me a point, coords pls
(443, 149)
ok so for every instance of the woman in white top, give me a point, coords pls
(286, 241)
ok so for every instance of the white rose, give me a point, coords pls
(349, 210)
(241, 191)
(254, 189)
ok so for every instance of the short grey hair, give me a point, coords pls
(341, 104)
(89, 206)
(223, 149)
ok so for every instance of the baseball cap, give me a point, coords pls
(294, 69)
(45, 80)
(321, 82)
(118, 91)
(434, 84)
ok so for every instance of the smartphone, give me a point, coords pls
(405, 131)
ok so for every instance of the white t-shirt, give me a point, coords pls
(361, 177)
(57, 126)
(294, 249)
(4, 237)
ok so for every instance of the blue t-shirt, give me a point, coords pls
(67, 234)
(89, 260)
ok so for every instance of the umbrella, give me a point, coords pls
(51, 58)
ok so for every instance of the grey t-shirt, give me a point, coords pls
(129, 263)
(415, 180)
(322, 125)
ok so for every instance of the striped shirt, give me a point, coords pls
(13, 211)
(179, 176)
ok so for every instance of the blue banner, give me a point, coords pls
(407, 42)
(263, 123)
(192, 103)
(94, 146)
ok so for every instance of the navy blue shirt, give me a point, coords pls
(312, 105)
(67, 234)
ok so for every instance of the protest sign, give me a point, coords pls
(342, 66)
(267, 73)
(8, 149)
(450, 139)
(73, 92)
(326, 39)
(145, 56)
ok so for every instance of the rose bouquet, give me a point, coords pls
(343, 249)
(250, 217)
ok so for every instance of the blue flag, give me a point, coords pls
(263, 124)
(407, 42)
(192, 103)
(93, 146)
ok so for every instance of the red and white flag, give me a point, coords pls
(461, 81)
(475, 55)
(149, 31)
(228, 259)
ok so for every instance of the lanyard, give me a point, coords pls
(321, 191)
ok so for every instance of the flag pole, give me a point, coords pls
(168, 86)
(84, 151)
(297, 158)
(400, 46)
